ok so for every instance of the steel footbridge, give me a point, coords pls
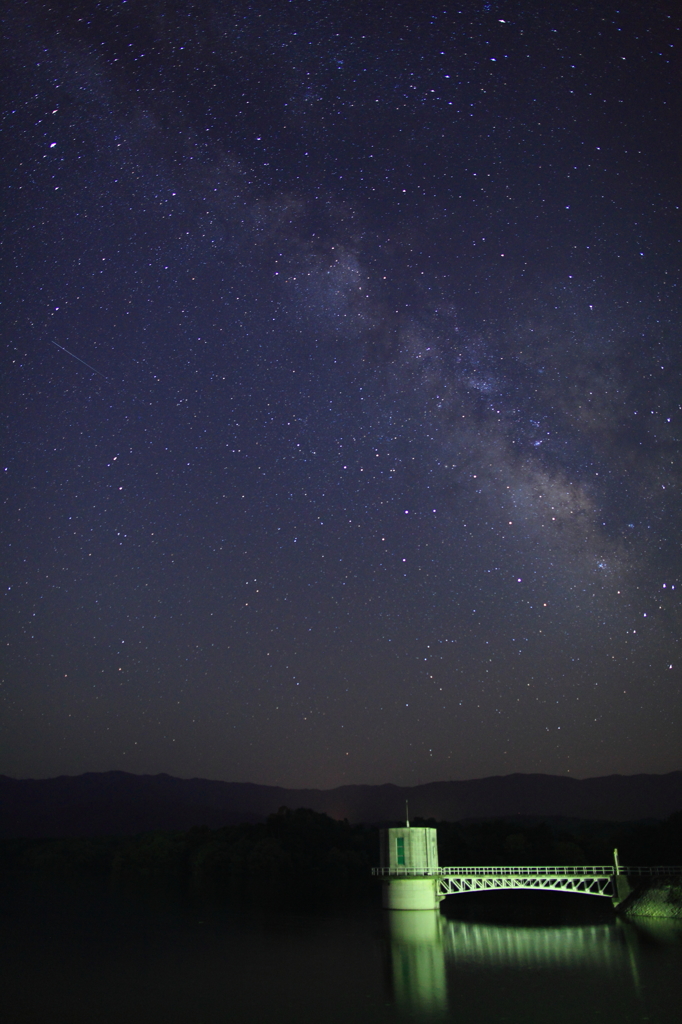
(413, 879)
(612, 880)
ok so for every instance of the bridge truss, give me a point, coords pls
(591, 885)
(591, 880)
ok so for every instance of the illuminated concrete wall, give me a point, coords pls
(410, 894)
(404, 848)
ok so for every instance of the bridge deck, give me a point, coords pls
(525, 869)
(589, 879)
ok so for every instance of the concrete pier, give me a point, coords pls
(410, 894)
(410, 858)
(621, 888)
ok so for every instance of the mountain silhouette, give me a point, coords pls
(119, 803)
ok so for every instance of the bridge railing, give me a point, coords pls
(525, 869)
(658, 869)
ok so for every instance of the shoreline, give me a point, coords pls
(654, 898)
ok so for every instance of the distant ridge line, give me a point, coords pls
(121, 803)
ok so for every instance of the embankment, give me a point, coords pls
(658, 897)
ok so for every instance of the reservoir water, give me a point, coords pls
(71, 956)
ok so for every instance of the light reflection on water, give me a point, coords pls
(418, 959)
(80, 955)
(486, 945)
(425, 946)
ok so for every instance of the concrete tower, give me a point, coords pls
(409, 859)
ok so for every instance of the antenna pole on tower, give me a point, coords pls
(407, 814)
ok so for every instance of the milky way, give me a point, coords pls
(360, 460)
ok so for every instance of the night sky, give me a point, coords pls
(343, 389)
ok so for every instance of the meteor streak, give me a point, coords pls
(78, 358)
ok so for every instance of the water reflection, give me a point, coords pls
(418, 959)
(486, 945)
(424, 944)
(80, 954)
(665, 931)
